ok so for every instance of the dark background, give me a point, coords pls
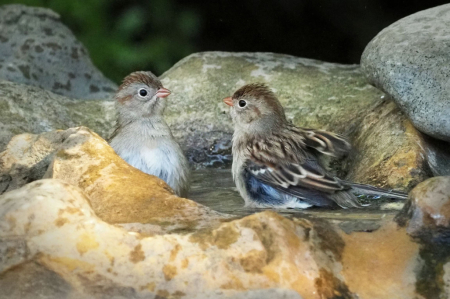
(126, 35)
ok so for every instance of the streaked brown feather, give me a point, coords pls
(295, 168)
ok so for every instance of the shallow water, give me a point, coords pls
(215, 188)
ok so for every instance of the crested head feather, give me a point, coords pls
(147, 78)
(254, 90)
(260, 92)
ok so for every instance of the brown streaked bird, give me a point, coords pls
(142, 138)
(276, 164)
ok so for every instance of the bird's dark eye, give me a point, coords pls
(143, 92)
(242, 103)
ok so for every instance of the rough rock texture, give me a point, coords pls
(37, 49)
(51, 223)
(30, 109)
(429, 209)
(118, 192)
(27, 157)
(315, 94)
(410, 60)
(388, 150)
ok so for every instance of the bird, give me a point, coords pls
(276, 164)
(142, 137)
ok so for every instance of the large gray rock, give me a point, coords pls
(25, 108)
(37, 49)
(410, 60)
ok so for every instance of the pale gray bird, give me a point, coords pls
(142, 137)
(276, 164)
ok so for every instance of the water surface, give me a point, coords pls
(215, 188)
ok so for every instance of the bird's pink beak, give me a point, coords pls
(228, 101)
(162, 92)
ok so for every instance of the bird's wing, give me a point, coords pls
(324, 142)
(296, 173)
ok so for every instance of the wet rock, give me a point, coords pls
(381, 264)
(248, 254)
(38, 49)
(428, 213)
(28, 109)
(409, 60)
(48, 228)
(118, 192)
(315, 94)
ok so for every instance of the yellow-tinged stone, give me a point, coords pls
(388, 151)
(70, 264)
(85, 243)
(169, 272)
(380, 264)
(260, 251)
(118, 192)
(137, 255)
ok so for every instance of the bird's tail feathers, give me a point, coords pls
(346, 200)
(372, 190)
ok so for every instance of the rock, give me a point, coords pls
(389, 151)
(31, 280)
(315, 94)
(428, 213)
(381, 264)
(438, 156)
(30, 109)
(409, 60)
(51, 238)
(38, 49)
(27, 158)
(118, 192)
(98, 256)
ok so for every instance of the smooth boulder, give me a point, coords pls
(410, 60)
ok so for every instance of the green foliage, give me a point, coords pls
(124, 36)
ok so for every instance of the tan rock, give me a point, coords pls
(429, 209)
(381, 264)
(388, 151)
(59, 230)
(52, 223)
(118, 192)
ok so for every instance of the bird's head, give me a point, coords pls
(255, 109)
(141, 95)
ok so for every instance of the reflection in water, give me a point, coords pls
(215, 188)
